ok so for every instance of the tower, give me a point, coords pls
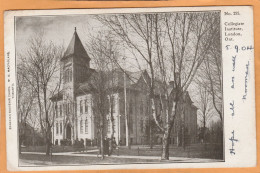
(75, 69)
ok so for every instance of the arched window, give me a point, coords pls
(68, 75)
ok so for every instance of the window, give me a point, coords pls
(70, 75)
(71, 107)
(81, 126)
(61, 110)
(113, 104)
(61, 128)
(81, 106)
(56, 111)
(57, 128)
(66, 76)
(65, 109)
(108, 126)
(86, 126)
(86, 106)
(68, 107)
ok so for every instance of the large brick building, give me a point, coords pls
(75, 117)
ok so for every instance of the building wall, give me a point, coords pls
(85, 118)
(77, 112)
(58, 130)
(139, 114)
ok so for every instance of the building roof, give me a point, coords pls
(135, 76)
(76, 47)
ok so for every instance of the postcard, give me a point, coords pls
(130, 88)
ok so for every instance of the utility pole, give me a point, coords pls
(126, 117)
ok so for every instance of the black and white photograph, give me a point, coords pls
(121, 88)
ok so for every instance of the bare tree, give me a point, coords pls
(210, 75)
(34, 121)
(172, 46)
(205, 109)
(26, 97)
(104, 84)
(40, 66)
(213, 75)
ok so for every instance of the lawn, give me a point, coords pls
(191, 153)
(34, 159)
(55, 149)
(209, 151)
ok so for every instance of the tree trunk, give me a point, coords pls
(183, 136)
(48, 140)
(204, 127)
(151, 135)
(20, 145)
(111, 142)
(102, 143)
(48, 148)
(165, 146)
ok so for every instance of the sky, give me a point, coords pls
(58, 29)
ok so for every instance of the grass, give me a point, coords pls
(192, 152)
(55, 149)
(208, 151)
(34, 159)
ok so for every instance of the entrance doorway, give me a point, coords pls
(68, 132)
